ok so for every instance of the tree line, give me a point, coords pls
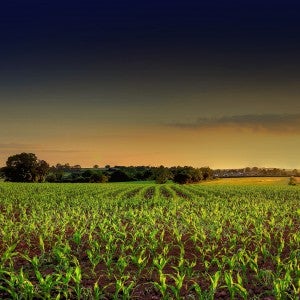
(26, 167)
(255, 172)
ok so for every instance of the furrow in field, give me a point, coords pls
(149, 193)
(132, 193)
(180, 192)
(165, 192)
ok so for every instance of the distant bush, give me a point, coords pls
(182, 178)
(119, 176)
(98, 177)
(292, 181)
(183, 175)
(87, 173)
(161, 175)
(79, 179)
(51, 178)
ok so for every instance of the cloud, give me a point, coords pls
(61, 151)
(13, 145)
(261, 123)
(5, 147)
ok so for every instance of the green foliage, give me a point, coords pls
(94, 176)
(162, 175)
(119, 176)
(51, 178)
(182, 178)
(98, 177)
(25, 167)
(183, 175)
(292, 181)
(128, 240)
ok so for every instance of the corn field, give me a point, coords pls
(149, 241)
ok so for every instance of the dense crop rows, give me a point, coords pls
(147, 241)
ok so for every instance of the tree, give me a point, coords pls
(1, 174)
(247, 169)
(182, 178)
(51, 178)
(187, 174)
(94, 176)
(41, 171)
(207, 173)
(87, 173)
(98, 177)
(76, 167)
(162, 175)
(25, 167)
(96, 166)
(119, 176)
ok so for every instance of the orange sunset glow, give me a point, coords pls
(202, 85)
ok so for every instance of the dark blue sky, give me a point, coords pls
(159, 45)
(146, 63)
(81, 32)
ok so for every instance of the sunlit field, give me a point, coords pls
(278, 181)
(225, 239)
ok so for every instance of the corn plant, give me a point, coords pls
(112, 240)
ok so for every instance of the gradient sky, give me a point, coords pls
(196, 83)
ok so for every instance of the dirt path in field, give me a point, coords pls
(180, 193)
(149, 193)
(132, 193)
(165, 192)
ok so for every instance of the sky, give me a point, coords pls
(200, 83)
